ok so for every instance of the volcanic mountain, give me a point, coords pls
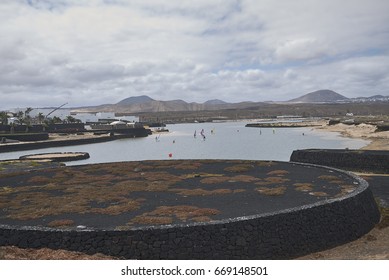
(135, 100)
(320, 96)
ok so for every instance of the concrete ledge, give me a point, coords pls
(279, 235)
(11, 147)
(24, 137)
(49, 143)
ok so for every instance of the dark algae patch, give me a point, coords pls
(131, 194)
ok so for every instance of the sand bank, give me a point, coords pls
(379, 140)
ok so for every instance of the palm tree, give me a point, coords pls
(56, 120)
(40, 117)
(4, 117)
(70, 119)
(20, 116)
(28, 111)
(27, 118)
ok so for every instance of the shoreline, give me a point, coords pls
(56, 140)
(378, 140)
(69, 139)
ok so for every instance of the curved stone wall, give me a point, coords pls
(280, 235)
(57, 157)
(359, 160)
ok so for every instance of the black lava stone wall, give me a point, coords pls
(359, 160)
(282, 235)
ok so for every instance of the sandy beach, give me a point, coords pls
(379, 140)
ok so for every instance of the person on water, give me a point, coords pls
(202, 134)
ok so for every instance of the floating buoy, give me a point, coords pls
(170, 155)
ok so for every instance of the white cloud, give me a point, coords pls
(91, 52)
(301, 49)
(371, 68)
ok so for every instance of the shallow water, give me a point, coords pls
(229, 140)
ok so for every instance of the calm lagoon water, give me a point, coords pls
(228, 140)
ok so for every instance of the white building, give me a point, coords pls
(62, 113)
(95, 117)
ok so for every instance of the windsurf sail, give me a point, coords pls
(202, 134)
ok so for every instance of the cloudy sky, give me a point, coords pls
(90, 52)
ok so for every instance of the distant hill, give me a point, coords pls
(144, 103)
(135, 100)
(320, 96)
(215, 102)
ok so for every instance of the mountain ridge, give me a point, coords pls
(144, 103)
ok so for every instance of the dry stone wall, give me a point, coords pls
(358, 160)
(280, 235)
